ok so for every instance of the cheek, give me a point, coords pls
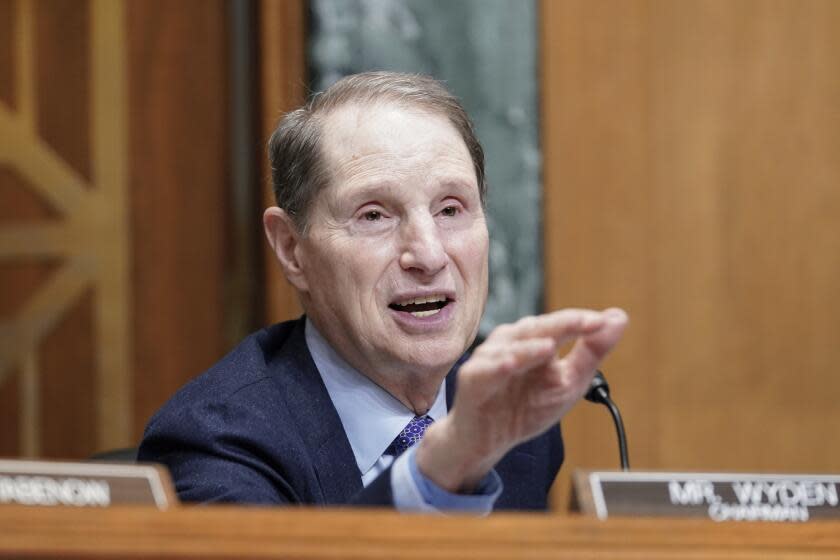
(471, 252)
(358, 266)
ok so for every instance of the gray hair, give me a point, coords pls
(298, 171)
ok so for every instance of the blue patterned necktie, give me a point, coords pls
(410, 435)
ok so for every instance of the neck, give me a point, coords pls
(417, 393)
(415, 388)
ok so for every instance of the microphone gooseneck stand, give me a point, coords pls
(599, 392)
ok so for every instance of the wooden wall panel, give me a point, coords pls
(691, 177)
(7, 55)
(67, 392)
(589, 73)
(19, 283)
(114, 214)
(62, 78)
(10, 443)
(179, 163)
(282, 88)
(64, 338)
(18, 201)
(64, 388)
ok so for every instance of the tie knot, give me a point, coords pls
(410, 435)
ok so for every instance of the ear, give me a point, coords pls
(284, 239)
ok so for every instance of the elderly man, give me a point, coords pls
(380, 227)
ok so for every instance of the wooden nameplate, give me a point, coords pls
(716, 496)
(99, 485)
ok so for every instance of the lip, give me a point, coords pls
(404, 296)
(424, 325)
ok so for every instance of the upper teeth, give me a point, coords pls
(426, 299)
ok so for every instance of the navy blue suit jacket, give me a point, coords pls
(259, 427)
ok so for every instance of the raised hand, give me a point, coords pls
(515, 387)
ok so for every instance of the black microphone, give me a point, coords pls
(599, 392)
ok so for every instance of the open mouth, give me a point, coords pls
(422, 306)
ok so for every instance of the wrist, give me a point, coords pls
(449, 461)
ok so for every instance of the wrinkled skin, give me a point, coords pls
(402, 217)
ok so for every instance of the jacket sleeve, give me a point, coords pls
(210, 465)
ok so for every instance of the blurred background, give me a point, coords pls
(678, 159)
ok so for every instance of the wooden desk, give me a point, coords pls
(231, 532)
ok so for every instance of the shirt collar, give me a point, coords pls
(371, 416)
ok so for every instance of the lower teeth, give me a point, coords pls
(425, 313)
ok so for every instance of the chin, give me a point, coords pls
(431, 357)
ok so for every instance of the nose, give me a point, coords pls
(422, 247)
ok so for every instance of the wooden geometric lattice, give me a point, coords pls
(91, 238)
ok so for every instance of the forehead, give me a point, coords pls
(390, 139)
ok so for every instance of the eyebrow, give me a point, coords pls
(376, 189)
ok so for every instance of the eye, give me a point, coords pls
(449, 211)
(373, 215)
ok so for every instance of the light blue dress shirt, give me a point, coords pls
(372, 419)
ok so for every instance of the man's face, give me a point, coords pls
(395, 258)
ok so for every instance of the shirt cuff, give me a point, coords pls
(412, 491)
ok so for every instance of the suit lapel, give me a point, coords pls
(451, 381)
(318, 423)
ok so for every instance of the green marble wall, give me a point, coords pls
(486, 51)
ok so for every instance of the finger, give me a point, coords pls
(559, 325)
(591, 349)
(495, 349)
(571, 382)
(513, 357)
